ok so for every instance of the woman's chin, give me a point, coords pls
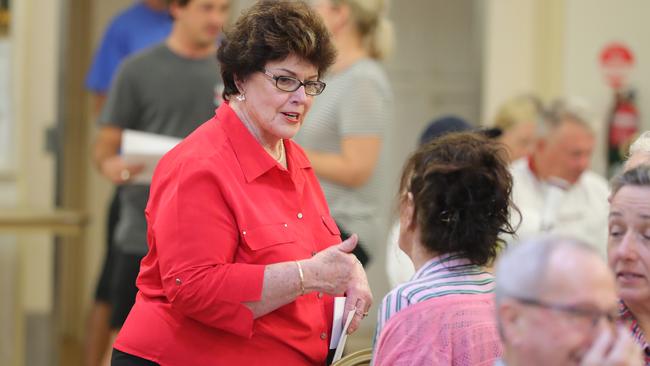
(633, 295)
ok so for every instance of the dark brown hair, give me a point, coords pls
(181, 3)
(461, 191)
(272, 30)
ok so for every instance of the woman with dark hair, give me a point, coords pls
(454, 204)
(244, 256)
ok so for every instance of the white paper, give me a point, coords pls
(344, 336)
(145, 148)
(337, 323)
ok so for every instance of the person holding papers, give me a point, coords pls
(244, 256)
(167, 89)
(454, 202)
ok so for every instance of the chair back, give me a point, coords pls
(358, 358)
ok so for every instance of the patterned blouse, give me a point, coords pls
(630, 321)
(447, 274)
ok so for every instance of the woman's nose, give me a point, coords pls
(627, 247)
(299, 95)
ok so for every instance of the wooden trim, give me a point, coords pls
(72, 182)
(68, 223)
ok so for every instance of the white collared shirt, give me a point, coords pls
(580, 212)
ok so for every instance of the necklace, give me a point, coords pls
(281, 155)
(243, 116)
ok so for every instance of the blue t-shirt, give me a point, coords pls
(136, 28)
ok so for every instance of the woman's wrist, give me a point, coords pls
(301, 275)
(308, 275)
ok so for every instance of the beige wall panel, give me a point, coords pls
(590, 24)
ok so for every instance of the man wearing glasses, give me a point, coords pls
(557, 305)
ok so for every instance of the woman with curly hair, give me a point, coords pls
(454, 204)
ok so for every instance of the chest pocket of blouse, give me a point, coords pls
(330, 224)
(267, 236)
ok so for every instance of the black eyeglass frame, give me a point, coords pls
(316, 83)
(593, 315)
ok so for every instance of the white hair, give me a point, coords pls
(574, 109)
(639, 152)
(521, 270)
(641, 144)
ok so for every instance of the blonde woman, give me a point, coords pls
(517, 118)
(344, 132)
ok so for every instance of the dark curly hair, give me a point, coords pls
(272, 30)
(461, 189)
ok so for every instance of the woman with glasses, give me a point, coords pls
(454, 202)
(344, 133)
(244, 256)
(628, 250)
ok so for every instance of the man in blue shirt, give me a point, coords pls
(144, 24)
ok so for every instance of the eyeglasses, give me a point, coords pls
(590, 315)
(291, 84)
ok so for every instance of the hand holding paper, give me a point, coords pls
(339, 329)
(344, 336)
(145, 149)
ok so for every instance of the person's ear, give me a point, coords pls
(239, 84)
(511, 321)
(407, 211)
(173, 9)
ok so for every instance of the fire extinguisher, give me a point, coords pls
(623, 126)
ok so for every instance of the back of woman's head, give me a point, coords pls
(461, 191)
(372, 24)
(272, 30)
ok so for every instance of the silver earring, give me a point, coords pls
(241, 97)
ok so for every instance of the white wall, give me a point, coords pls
(28, 259)
(551, 47)
(35, 46)
(509, 50)
(591, 24)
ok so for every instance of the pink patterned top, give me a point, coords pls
(451, 330)
(628, 319)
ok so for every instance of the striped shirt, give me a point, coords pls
(628, 319)
(447, 274)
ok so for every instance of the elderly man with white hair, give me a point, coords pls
(557, 305)
(553, 188)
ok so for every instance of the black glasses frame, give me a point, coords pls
(593, 315)
(308, 84)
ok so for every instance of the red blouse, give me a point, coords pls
(220, 209)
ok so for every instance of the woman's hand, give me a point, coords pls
(614, 348)
(336, 270)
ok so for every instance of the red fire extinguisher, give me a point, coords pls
(623, 126)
